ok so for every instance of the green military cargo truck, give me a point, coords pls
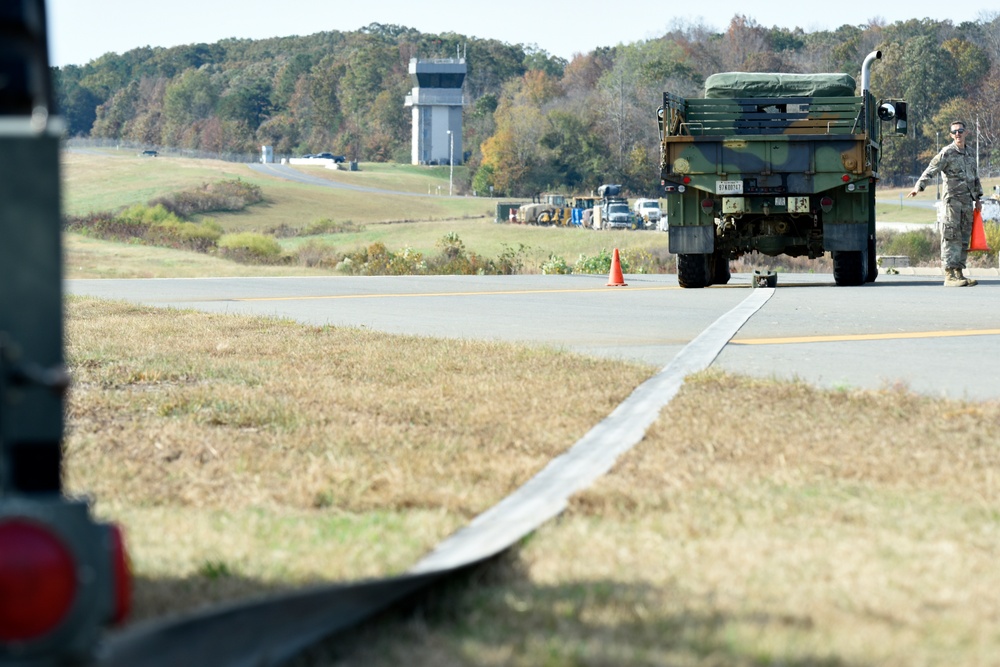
(780, 164)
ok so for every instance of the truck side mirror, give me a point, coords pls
(894, 110)
(900, 117)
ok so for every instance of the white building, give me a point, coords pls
(437, 102)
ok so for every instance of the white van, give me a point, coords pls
(990, 208)
(649, 211)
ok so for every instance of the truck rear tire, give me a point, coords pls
(720, 268)
(694, 270)
(872, 261)
(850, 267)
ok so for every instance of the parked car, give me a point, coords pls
(147, 154)
(330, 156)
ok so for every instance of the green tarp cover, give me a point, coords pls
(732, 85)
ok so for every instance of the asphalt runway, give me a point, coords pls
(902, 330)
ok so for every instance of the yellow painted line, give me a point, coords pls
(431, 294)
(856, 337)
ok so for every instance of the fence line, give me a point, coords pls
(138, 147)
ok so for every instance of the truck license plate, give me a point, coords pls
(729, 187)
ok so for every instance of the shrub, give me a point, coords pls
(328, 226)
(200, 237)
(108, 226)
(600, 263)
(232, 195)
(992, 230)
(452, 246)
(316, 253)
(464, 265)
(250, 248)
(510, 261)
(376, 260)
(282, 231)
(922, 246)
(135, 223)
(556, 265)
(638, 261)
(658, 260)
(140, 214)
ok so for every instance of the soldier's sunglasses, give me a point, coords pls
(958, 131)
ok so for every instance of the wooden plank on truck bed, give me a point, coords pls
(771, 116)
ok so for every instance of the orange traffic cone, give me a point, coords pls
(978, 240)
(615, 278)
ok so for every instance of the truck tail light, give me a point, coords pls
(37, 580)
(826, 204)
(122, 575)
(707, 206)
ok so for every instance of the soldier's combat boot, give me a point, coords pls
(952, 279)
(969, 280)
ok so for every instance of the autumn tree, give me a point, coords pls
(514, 154)
(984, 113)
(188, 100)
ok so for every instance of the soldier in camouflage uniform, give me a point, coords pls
(962, 192)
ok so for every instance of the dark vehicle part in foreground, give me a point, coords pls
(63, 576)
(777, 164)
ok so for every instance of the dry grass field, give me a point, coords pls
(758, 523)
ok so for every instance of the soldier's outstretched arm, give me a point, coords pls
(930, 172)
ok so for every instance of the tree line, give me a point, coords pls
(534, 122)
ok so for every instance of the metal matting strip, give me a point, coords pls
(547, 493)
(274, 629)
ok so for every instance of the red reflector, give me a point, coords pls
(37, 580)
(123, 576)
(686, 179)
(845, 178)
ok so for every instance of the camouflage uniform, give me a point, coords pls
(961, 190)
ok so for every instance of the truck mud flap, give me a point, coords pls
(692, 240)
(845, 236)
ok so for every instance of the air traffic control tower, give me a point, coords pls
(436, 99)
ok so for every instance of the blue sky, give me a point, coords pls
(81, 30)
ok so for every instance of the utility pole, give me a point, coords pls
(977, 144)
(451, 160)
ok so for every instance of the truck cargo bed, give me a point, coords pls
(761, 116)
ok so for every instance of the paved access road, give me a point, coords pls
(902, 329)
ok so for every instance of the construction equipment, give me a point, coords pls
(555, 209)
(582, 211)
(547, 210)
(777, 164)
